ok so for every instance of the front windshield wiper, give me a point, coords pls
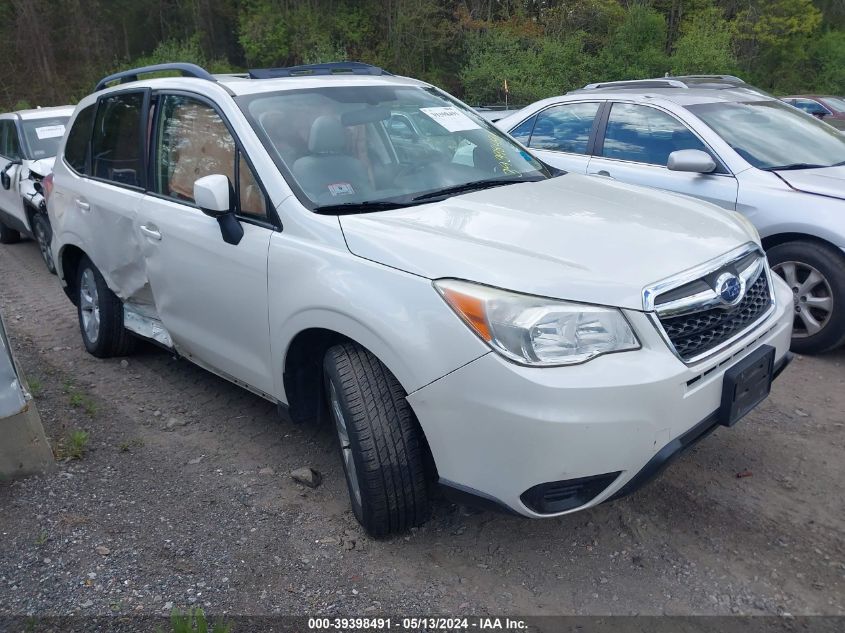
(477, 185)
(359, 207)
(795, 166)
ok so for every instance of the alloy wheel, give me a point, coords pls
(812, 298)
(44, 244)
(89, 305)
(345, 444)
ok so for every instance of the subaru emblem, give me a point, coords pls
(730, 288)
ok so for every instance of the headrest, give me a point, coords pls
(327, 136)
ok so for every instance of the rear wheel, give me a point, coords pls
(816, 274)
(44, 235)
(380, 440)
(100, 314)
(7, 235)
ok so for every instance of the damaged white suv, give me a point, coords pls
(534, 340)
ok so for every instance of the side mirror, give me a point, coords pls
(215, 196)
(820, 114)
(5, 178)
(691, 160)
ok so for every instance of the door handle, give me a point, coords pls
(82, 205)
(150, 231)
(604, 173)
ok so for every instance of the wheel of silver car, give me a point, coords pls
(381, 443)
(816, 275)
(100, 314)
(44, 235)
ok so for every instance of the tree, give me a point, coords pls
(705, 45)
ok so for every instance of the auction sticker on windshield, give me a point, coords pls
(49, 131)
(451, 118)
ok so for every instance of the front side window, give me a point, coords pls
(79, 140)
(11, 146)
(643, 134)
(772, 135)
(364, 147)
(522, 132)
(565, 128)
(116, 147)
(43, 136)
(193, 142)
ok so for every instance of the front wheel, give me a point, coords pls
(816, 274)
(44, 235)
(380, 440)
(100, 314)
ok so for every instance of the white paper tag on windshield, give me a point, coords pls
(50, 131)
(451, 118)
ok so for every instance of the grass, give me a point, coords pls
(78, 399)
(73, 446)
(36, 388)
(194, 621)
(42, 538)
(128, 445)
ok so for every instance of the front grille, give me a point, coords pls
(698, 333)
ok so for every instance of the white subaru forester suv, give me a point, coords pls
(466, 315)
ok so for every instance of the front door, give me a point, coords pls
(635, 149)
(11, 204)
(210, 296)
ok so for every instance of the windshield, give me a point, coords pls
(836, 103)
(773, 135)
(360, 148)
(43, 136)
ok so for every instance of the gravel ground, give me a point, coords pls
(184, 498)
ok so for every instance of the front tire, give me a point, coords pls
(8, 236)
(44, 236)
(380, 441)
(816, 274)
(100, 315)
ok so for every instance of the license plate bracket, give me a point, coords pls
(746, 385)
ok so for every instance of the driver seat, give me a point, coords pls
(329, 172)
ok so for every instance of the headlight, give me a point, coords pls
(538, 331)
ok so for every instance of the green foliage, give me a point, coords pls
(73, 446)
(705, 45)
(194, 621)
(469, 47)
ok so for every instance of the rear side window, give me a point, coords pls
(643, 134)
(116, 152)
(193, 141)
(78, 140)
(565, 128)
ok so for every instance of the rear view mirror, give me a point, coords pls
(691, 160)
(215, 196)
(5, 178)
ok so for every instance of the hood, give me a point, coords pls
(42, 166)
(825, 181)
(571, 237)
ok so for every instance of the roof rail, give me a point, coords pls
(330, 68)
(730, 78)
(126, 76)
(637, 83)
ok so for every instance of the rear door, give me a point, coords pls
(210, 296)
(562, 135)
(633, 145)
(11, 204)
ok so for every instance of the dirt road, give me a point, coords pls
(183, 498)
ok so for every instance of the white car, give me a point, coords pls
(721, 140)
(29, 140)
(535, 342)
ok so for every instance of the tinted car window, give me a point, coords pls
(565, 128)
(11, 146)
(116, 152)
(643, 134)
(522, 132)
(193, 141)
(43, 136)
(78, 140)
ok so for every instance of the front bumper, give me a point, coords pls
(497, 430)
